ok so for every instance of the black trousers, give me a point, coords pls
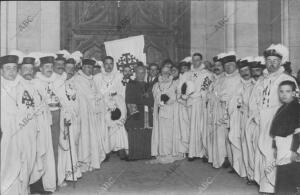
(288, 179)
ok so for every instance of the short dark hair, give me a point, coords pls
(290, 83)
(198, 54)
(167, 61)
(154, 64)
(108, 57)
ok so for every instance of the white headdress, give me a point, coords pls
(77, 56)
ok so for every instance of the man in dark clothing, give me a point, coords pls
(139, 120)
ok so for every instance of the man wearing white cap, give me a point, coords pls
(11, 140)
(68, 168)
(240, 114)
(47, 83)
(214, 147)
(93, 135)
(227, 89)
(217, 112)
(275, 56)
(252, 125)
(197, 102)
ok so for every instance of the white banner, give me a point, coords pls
(126, 51)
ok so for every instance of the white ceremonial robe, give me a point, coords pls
(69, 111)
(11, 142)
(117, 135)
(238, 113)
(197, 105)
(216, 138)
(247, 87)
(227, 89)
(30, 106)
(106, 84)
(270, 104)
(181, 118)
(47, 88)
(92, 148)
(44, 166)
(252, 132)
(164, 136)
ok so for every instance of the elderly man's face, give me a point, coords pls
(108, 65)
(153, 71)
(196, 61)
(47, 69)
(27, 71)
(140, 73)
(245, 73)
(59, 67)
(230, 67)
(9, 71)
(273, 63)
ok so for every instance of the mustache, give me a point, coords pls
(244, 75)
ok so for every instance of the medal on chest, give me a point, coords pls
(206, 83)
(70, 92)
(266, 94)
(53, 99)
(27, 99)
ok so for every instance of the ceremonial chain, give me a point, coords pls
(166, 88)
(108, 83)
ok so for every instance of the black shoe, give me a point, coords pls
(204, 159)
(107, 157)
(232, 171)
(191, 159)
(122, 154)
(250, 182)
(226, 163)
(41, 192)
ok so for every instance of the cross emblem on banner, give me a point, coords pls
(126, 59)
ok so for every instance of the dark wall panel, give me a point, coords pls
(269, 23)
(85, 25)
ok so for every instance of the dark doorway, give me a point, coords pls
(85, 25)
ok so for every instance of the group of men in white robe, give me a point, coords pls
(57, 123)
(62, 121)
(223, 116)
